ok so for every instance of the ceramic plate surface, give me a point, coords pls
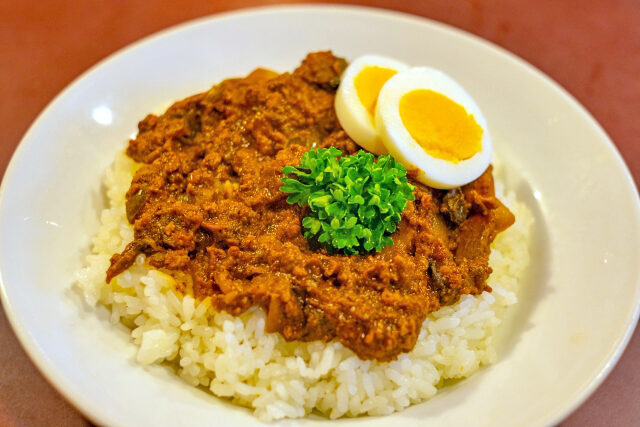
(576, 311)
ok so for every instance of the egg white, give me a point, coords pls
(434, 172)
(353, 116)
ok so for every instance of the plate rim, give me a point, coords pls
(66, 387)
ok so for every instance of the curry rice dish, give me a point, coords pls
(207, 264)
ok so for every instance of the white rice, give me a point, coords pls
(235, 358)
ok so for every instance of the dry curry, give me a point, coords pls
(206, 207)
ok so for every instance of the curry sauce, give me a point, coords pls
(206, 207)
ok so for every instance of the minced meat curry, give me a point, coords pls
(206, 208)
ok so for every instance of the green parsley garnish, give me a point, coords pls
(355, 201)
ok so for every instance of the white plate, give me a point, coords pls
(576, 313)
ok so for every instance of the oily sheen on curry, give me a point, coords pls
(206, 207)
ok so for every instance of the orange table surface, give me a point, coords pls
(592, 48)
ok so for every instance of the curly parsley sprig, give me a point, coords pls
(355, 201)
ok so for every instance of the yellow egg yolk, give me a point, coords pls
(368, 84)
(442, 127)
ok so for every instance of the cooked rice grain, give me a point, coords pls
(235, 358)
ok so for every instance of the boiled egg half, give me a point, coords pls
(428, 122)
(357, 98)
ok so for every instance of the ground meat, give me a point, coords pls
(206, 207)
